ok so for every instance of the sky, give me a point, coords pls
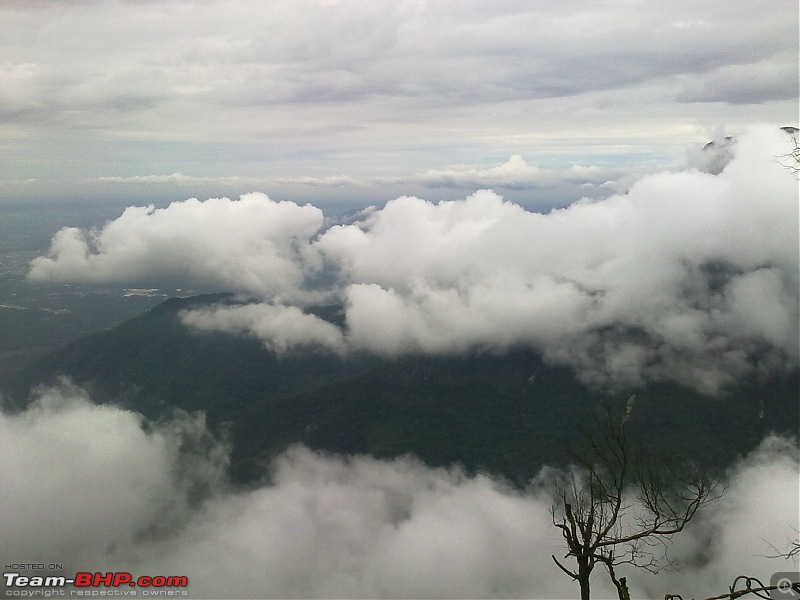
(354, 103)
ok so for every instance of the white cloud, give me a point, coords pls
(253, 244)
(495, 314)
(514, 174)
(192, 180)
(329, 181)
(176, 178)
(281, 328)
(689, 276)
(92, 487)
(88, 479)
(677, 259)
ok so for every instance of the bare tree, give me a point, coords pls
(616, 506)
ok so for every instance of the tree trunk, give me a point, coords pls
(584, 581)
(624, 594)
(584, 570)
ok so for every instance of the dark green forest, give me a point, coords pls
(505, 414)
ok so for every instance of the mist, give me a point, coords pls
(688, 276)
(114, 492)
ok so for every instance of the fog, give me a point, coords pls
(97, 488)
(688, 276)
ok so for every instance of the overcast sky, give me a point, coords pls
(364, 101)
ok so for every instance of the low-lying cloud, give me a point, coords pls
(252, 244)
(281, 328)
(514, 174)
(99, 489)
(690, 276)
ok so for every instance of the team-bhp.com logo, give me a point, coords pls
(112, 579)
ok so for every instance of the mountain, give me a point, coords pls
(506, 414)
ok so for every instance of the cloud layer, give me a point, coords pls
(689, 276)
(513, 174)
(212, 94)
(96, 488)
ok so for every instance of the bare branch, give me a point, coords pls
(791, 160)
(563, 568)
(599, 525)
(791, 553)
(752, 585)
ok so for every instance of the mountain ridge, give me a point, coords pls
(502, 413)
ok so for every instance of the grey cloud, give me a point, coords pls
(746, 84)
(344, 52)
(715, 155)
(94, 487)
(385, 91)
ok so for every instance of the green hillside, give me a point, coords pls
(504, 414)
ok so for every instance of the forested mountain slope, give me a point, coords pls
(507, 414)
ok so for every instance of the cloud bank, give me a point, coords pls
(111, 492)
(252, 244)
(689, 276)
